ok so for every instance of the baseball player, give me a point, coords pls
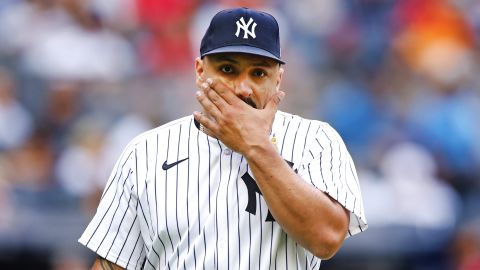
(239, 185)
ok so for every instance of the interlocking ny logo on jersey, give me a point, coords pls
(244, 26)
(253, 189)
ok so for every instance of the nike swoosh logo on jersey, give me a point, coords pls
(166, 166)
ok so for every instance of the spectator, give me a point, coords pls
(15, 120)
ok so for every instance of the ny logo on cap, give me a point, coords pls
(244, 26)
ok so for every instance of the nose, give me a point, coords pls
(243, 88)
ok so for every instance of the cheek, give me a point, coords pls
(228, 82)
(208, 74)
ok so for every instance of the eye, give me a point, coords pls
(259, 73)
(226, 69)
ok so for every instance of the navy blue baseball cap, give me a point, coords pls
(242, 30)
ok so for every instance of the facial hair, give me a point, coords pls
(250, 102)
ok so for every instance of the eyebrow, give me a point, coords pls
(221, 58)
(262, 63)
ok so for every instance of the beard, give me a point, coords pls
(250, 102)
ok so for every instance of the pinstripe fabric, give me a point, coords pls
(194, 215)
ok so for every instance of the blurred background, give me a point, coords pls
(399, 80)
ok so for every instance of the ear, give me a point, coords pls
(279, 78)
(199, 70)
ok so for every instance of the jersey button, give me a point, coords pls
(222, 244)
(227, 152)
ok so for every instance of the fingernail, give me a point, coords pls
(204, 85)
(209, 81)
(198, 93)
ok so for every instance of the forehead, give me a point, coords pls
(243, 59)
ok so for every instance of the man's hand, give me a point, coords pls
(237, 124)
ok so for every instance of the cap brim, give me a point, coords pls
(244, 49)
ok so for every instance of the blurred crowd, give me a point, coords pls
(398, 80)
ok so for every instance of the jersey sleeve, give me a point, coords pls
(329, 167)
(114, 232)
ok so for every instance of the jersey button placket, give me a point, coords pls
(222, 212)
(222, 244)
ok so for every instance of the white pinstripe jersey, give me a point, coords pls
(180, 199)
